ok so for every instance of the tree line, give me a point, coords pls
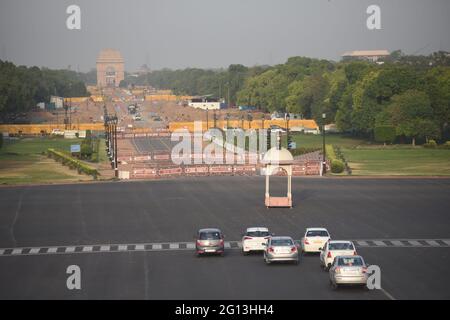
(407, 95)
(21, 88)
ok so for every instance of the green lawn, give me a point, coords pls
(315, 140)
(36, 145)
(402, 161)
(22, 162)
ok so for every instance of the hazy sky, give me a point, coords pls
(213, 33)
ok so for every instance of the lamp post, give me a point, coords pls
(249, 120)
(288, 138)
(324, 164)
(207, 120)
(115, 121)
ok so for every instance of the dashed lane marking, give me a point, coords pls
(180, 246)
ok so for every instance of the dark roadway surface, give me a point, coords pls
(146, 145)
(172, 210)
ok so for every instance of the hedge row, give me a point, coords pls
(337, 166)
(72, 163)
(302, 150)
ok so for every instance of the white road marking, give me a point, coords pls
(190, 245)
(433, 243)
(391, 297)
(230, 245)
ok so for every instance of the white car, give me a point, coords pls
(334, 248)
(254, 239)
(314, 239)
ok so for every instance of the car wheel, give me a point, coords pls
(245, 253)
(334, 286)
(266, 260)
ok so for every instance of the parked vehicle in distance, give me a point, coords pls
(275, 128)
(314, 239)
(351, 270)
(209, 240)
(280, 249)
(334, 248)
(253, 239)
(137, 117)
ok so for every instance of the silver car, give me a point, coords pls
(280, 249)
(210, 240)
(348, 270)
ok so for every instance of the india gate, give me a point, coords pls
(110, 68)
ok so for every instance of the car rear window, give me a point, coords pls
(317, 233)
(214, 235)
(258, 234)
(281, 242)
(350, 262)
(341, 246)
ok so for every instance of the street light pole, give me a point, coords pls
(324, 164)
(116, 170)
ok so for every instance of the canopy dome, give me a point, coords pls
(281, 156)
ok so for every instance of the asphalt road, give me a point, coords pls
(154, 144)
(171, 211)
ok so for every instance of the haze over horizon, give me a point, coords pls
(213, 34)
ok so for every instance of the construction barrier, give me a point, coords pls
(244, 170)
(170, 171)
(196, 170)
(159, 157)
(217, 170)
(144, 173)
(244, 124)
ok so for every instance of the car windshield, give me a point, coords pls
(317, 233)
(350, 262)
(281, 242)
(258, 234)
(211, 235)
(341, 246)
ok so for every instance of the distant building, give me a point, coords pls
(110, 68)
(368, 55)
(204, 103)
(58, 102)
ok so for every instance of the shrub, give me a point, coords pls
(329, 152)
(430, 144)
(337, 166)
(72, 163)
(446, 145)
(385, 134)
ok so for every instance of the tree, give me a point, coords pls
(385, 133)
(412, 115)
